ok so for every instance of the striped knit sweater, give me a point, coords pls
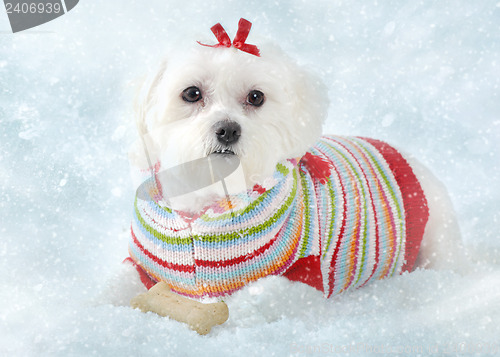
(349, 212)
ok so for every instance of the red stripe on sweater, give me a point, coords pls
(177, 267)
(415, 203)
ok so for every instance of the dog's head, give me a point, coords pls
(263, 109)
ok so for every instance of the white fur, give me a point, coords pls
(441, 246)
(286, 125)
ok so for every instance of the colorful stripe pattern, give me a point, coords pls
(351, 227)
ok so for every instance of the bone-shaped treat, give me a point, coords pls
(198, 316)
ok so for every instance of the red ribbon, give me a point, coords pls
(244, 27)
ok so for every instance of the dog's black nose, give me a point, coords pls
(227, 132)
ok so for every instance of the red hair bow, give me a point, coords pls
(244, 27)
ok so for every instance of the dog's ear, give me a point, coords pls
(310, 105)
(143, 153)
(306, 97)
(145, 97)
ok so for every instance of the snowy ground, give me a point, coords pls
(423, 75)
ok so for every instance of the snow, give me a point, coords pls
(422, 75)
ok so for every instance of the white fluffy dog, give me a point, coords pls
(264, 109)
(275, 108)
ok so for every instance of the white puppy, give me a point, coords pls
(263, 109)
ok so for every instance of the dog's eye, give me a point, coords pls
(255, 98)
(191, 94)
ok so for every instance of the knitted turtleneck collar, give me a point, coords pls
(255, 230)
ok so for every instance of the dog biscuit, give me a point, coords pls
(198, 316)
